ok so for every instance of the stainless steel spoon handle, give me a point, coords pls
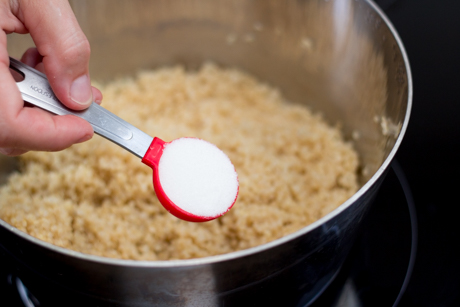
(36, 90)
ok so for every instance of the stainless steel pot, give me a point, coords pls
(341, 57)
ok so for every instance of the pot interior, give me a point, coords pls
(337, 57)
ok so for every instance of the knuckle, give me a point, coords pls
(75, 50)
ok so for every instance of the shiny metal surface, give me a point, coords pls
(342, 58)
(36, 90)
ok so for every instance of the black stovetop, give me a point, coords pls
(430, 30)
(381, 262)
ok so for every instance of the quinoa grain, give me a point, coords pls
(98, 199)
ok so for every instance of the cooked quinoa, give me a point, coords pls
(97, 198)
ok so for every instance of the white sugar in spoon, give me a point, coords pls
(193, 179)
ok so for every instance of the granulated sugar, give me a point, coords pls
(198, 177)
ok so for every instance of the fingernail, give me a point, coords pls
(6, 151)
(80, 90)
(87, 137)
(98, 101)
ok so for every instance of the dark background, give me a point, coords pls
(429, 155)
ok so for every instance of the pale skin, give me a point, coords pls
(62, 52)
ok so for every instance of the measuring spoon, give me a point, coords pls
(36, 90)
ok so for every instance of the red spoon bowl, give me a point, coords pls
(152, 159)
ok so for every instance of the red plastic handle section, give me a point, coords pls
(152, 158)
(153, 154)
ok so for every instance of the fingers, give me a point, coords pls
(64, 48)
(36, 129)
(62, 136)
(12, 152)
(34, 59)
(63, 54)
(23, 128)
(97, 95)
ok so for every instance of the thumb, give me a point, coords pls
(64, 47)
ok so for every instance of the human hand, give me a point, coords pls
(62, 53)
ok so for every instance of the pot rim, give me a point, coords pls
(260, 248)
